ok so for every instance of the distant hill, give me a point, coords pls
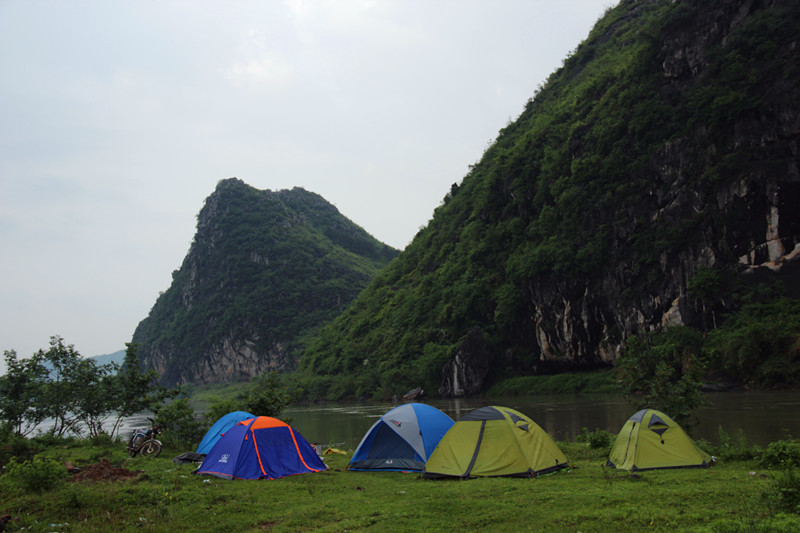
(653, 180)
(116, 357)
(265, 270)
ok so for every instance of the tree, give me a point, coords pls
(219, 407)
(131, 388)
(62, 386)
(267, 397)
(20, 389)
(96, 400)
(177, 420)
(664, 371)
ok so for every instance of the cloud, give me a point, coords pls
(257, 66)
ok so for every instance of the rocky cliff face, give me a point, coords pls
(750, 215)
(658, 164)
(264, 269)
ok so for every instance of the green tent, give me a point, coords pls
(650, 439)
(494, 441)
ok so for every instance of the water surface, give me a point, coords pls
(762, 416)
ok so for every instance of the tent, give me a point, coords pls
(650, 439)
(221, 426)
(402, 439)
(495, 441)
(258, 448)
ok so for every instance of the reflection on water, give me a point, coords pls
(126, 426)
(763, 416)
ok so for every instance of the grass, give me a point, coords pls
(591, 497)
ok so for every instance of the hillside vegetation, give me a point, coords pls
(651, 181)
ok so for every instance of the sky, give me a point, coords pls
(118, 118)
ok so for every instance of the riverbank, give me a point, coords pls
(597, 382)
(164, 496)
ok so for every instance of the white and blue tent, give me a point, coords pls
(220, 427)
(402, 439)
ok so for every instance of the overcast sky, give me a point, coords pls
(118, 118)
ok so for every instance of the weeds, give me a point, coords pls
(732, 448)
(783, 494)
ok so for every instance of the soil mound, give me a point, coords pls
(104, 471)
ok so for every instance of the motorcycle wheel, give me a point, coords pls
(152, 447)
(132, 452)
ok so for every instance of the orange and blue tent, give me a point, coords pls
(261, 448)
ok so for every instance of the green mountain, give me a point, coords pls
(264, 270)
(651, 181)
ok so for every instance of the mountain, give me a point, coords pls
(653, 180)
(264, 270)
(116, 357)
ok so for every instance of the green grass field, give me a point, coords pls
(168, 497)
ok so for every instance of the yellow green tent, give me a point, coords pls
(494, 441)
(649, 440)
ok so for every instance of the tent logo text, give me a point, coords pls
(224, 458)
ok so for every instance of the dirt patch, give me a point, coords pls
(104, 471)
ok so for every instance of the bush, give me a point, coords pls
(103, 440)
(37, 475)
(597, 439)
(178, 424)
(15, 446)
(782, 454)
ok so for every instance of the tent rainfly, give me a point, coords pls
(261, 448)
(650, 440)
(495, 441)
(221, 426)
(402, 439)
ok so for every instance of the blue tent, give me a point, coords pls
(261, 448)
(402, 439)
(221, 426)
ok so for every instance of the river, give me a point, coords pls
(763, 416)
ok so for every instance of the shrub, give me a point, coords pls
(102, 440)
(782, 454)
(37, 475)
(597, 439)
(178, 424)
(15, 446)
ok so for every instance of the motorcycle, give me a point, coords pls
(144, 442)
